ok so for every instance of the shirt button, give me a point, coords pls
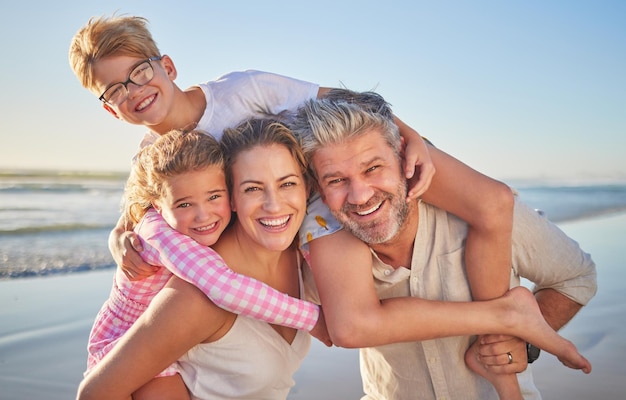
(387, 272)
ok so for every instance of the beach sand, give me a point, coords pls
(44, 324)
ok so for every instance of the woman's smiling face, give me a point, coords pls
(269, 195)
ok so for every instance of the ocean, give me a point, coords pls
(58, 222)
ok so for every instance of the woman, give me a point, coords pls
(231, 356)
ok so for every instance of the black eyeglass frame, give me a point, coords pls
(129, 80)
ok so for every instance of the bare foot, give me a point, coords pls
(529, 324)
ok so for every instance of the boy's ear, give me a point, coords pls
(169, 67)
(110, 110)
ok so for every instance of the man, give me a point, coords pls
(417, 251)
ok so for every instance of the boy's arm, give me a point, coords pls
(204, 268)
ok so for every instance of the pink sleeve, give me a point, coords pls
(204, 268)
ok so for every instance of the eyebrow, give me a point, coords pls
(362, 164)
(280, 179)
(213, 191)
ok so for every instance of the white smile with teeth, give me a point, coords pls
(206, 228)
(274, 222)
(368, 212)
(145, 103)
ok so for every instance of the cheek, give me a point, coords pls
(172, 218)
(333, 199)
(225, 210)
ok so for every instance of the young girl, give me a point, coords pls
(180, 178)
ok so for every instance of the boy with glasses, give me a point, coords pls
(140, 75)
(117, 59)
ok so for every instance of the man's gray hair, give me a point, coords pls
(342, 115)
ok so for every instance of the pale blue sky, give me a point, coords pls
(516, 89)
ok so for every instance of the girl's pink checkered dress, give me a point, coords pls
(201, 266)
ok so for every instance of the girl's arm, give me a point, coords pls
(204, 268)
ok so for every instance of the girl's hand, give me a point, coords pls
(125, 247)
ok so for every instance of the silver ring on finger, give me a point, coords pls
(510, 357)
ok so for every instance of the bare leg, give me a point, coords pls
(487, 207)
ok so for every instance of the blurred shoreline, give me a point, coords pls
(57, 222)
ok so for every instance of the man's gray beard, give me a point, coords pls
(368, 232)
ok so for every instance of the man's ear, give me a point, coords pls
(402, 147)
(169, 67)
(110, 110)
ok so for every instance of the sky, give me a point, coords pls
(516, 89)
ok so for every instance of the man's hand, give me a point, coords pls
(493, 353)
(499, 371)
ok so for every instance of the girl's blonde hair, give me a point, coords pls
(109, 36)
(171, 155)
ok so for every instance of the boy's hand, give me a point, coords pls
(125, 247)
(418, 166)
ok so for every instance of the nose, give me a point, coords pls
(202, 213)
(133, 88)
(271, 201)
(359, 192)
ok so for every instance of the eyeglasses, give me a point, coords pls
(117, 93)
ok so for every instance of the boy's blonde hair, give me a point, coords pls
(172, 154)
(109, 36)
